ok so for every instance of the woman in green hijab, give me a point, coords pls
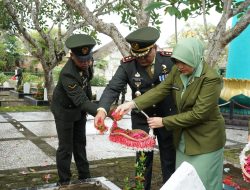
(199, 128)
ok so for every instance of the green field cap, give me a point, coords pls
(142, 40)
(81, 45)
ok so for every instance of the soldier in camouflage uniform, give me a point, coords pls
(144, 69)
(70, 104)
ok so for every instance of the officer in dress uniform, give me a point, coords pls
(145, 68)
(70, 104)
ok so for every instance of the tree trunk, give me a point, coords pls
(49, 83)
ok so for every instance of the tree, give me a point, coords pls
(202, 33)
(43, 17)
(221, 36)
(11, 50)
(30, 15)
(140, 12)
(131, 12)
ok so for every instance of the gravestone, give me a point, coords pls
(45, 94)
(26, 88)
(6, 84)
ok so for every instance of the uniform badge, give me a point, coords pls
(137, 80)
(135, 46)
(164, 69)
(85, 50)
(72, 87)
(164, 73)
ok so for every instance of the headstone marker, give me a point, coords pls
(45, 95)
(6, 84)
(26, 88)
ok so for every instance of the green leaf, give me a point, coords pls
(172, 11)
(154, 5)
(185, 13)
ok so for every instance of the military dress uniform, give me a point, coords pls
(136, 76)
(70, 104)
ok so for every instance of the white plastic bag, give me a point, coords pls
(184, 178)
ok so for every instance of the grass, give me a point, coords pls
(24, 108)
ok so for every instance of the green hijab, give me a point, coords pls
(190, 51)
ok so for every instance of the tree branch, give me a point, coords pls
(241, 25)
(14, 15)
(106, 28)
(244, 5)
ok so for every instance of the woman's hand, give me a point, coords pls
(125, 108)
(155, 122)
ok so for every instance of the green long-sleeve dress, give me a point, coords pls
(198, 128)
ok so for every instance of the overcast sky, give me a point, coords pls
(167, 27)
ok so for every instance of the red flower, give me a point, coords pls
(101, 127)
(116, 116)
(246, 166)
(228, 181)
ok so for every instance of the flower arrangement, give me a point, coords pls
(245, 162)
(135, 139)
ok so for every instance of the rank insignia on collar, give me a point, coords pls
(127, 59)
(71, 87)
(166, 53)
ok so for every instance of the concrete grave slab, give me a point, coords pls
(236, 136)
(2, 119)
(9, 131)
(45, 128)
(99, 147)
(228, 143)
(22, 153)
(32, 116)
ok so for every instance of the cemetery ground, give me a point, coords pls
(115, 169)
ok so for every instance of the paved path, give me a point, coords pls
(28, 139)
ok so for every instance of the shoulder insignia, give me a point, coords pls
(166, 53)
(72, 87)
(127, 59)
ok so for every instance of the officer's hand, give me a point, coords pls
(100, 116)
(249, 138)
(155, 122)
(125, 108)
